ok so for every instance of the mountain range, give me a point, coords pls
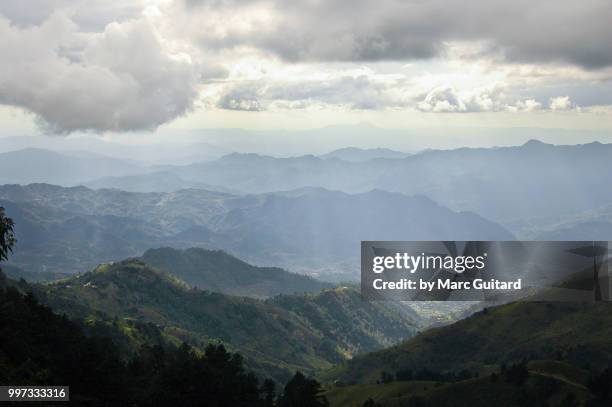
(37, 165)
(503, 184)
(503, 355)
(157, 181)
(149, 153)
(261, 253)
(360, 155)
(69, 230)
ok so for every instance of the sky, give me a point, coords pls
(154, 67)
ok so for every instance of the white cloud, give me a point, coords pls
(117, 80)
(561, 103)
(442, 100)
(487, 99)
(289, 88)
(528, 105)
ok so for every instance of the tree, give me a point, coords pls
(371, 403)
(268, 392)
(386, 377)
(516, 374)
(7, 235)
(301, 391)
(601, 385)
(183, 377)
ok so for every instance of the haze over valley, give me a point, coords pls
(308, 213)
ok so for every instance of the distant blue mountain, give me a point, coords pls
(73, 229)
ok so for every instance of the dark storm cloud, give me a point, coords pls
(545, 31)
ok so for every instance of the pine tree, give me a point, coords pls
(7, 235)
(301, 391)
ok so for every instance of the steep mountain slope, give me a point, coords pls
(342, 313)
(42, 348)
(276, 340)
(578, 334)
(540, 388)
(221, 272)
(305, 229)
(518, 354)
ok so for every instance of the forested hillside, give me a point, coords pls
(277, 336)
(41, 348)
(507, 355)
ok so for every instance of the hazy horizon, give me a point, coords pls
(317, 140)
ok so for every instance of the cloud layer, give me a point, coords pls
(114, 66)
(359, 30)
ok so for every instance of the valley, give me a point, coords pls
(266, 265)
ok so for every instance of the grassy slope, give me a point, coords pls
(577, 333)
(348, 396)
(549, 382)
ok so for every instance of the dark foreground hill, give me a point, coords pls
(277, 336)
(41, 348)
(580, 334)
(514, 354)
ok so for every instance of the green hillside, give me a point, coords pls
(518, 354)
(42, 348)
(540, 383)
(276, 339)
(342, 314)
(216, 270)
(577, 333)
